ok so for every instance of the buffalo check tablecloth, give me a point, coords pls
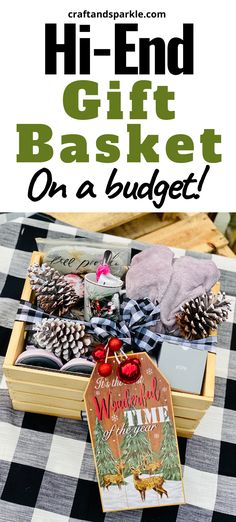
(47, 472)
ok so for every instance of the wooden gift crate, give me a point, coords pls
(61, 394)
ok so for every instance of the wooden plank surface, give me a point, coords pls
(45, 377)
(187, 434)
(188, 413)
(189, 400)
(43, 389)
(71, 414)
(195, 233)
(46, 410)
(209, 381)
(31, 389)
(96, 221)
(226, 251)
(189, 424)
(47, 400)
(143, 225)
(192, 231)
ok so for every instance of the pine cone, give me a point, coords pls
(54, 293)
(201, 315)
(67, 339)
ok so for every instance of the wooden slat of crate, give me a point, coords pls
(44, 377)
(75, 383)
(46, 410)
(186, 424)
(77, 395)
(47, 400)
(26, 392)
(49, 390)
(188, 413)
(189, 400)
(181, 432)
(181, 427)
(72, 387)
(31, 388)
(195, 233)
(209, 382)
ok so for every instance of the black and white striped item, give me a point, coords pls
(134, 328)
(31, 314)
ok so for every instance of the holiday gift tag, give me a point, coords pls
(134, 439)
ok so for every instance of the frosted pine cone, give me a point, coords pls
(66, 339)
(55, 294)
(201, 315)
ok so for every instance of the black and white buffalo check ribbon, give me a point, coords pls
(31, 314)
(133, 328)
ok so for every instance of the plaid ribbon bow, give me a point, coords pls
(133, 328)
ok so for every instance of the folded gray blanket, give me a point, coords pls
(156, 274)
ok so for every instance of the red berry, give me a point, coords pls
(114, 344)
(129, 371)
(99, 353)
(105, 369)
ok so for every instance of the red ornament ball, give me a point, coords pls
(136, 360)
(105, 369)
(99, 353)
(129, 371)
(114, 344)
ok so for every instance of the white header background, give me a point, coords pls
(203, 100)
